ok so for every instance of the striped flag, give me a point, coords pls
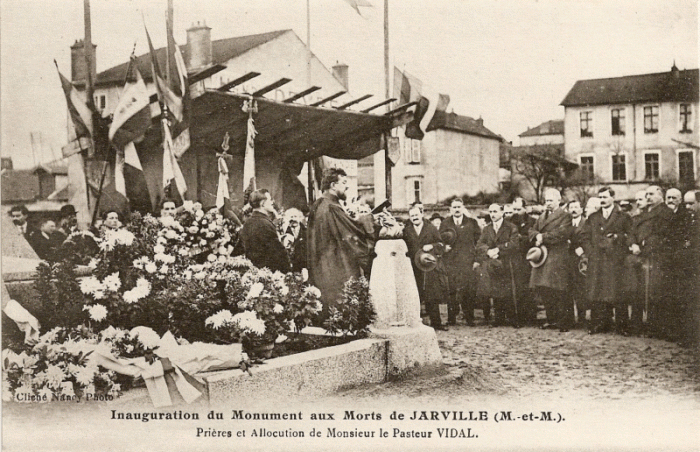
(172, 175)
(132, 116)
(408, 88)
(179, 85)
(80, 114)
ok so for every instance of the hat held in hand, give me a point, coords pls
(426, 261)
(448, 236)
(536, 256)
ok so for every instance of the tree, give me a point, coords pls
(542, 166)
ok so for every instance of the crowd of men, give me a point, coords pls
(638, 273)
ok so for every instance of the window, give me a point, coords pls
(100, 102)
(413, 189)
(586, 124)
(686, 167)
(619, 168)
(651, 166)
(587, 169)
(618, 121)
(685, 118)
(651, 119)
(412, 149)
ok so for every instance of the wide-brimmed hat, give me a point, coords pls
(426, 261)
(448, 236)
(536, 256)
(583, 265)
(68, 209)
(436, 216)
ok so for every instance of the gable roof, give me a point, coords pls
(458, 123)
(222, 51)
(554, 127)
(673, 86)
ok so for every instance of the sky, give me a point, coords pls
(510, 62)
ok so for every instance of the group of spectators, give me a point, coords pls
(637, 273)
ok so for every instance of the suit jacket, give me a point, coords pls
(298, 255)
(556, 230)
(605, 242)
(44, 247)
(261, 244)
(432, 285)
(521, 267)
(500, 271)
(459, 261)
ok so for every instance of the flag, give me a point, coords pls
(408, 88)
(222, 194)
(80, 114)
(167, 97)
(172, 176)
(357, 3)
(130, 180)
(179, 85)
(132, 116)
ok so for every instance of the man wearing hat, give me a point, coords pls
(527, 308)
(605, 240)
(69, 220)
(496, 247)
(425, 250)
(460, 261)
(550, 277)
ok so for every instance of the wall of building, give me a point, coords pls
(634, 144)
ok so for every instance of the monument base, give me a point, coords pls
(410, 349)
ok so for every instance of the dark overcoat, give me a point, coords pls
(338, 248)
(44, 247)
(500, 271)
(577, 281)
(459, 261)
(262, 245)
(651, 235)
(521, 267)
(605, 242)
(556, 231)
(432, 285)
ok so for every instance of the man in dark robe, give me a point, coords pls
(338, 248)
(527, 308)
(259, 235)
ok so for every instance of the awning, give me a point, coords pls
(301, 132)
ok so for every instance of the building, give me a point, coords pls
(628, 132)
(521, 176)
(458, 157)
(220, 65)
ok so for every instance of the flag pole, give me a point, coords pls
(387, 161)
(89, 93)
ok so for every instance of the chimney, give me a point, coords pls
(340, 72)
(198, 53)
(480, 121)
(674, 70)
(77, 62)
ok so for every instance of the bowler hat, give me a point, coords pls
(426, 261)
(448, 236)
(583, 265)
(68, 209)
(435, 216)
(537, 255)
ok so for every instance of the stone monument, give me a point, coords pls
(412, 345)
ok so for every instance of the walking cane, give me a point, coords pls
(512, 287)
(646, 268)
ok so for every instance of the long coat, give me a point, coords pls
(521, 267)
(500, 271)
(556, 231)
(262, 245)
(577, 282)
(651, 234)
(605, 242)
(44, 247)
(338, 248)
(432, 285)
(459, 261)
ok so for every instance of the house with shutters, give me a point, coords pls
(632, 131)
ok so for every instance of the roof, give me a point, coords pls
(672, 86)
(553, 153)
(458, 123)
(302, 132)
(19, 186)
(554, 127)
(222, 51)
(53, 168)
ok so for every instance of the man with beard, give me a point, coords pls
(551, 279)
(460, 262)
(338, 247)
(497, 245)
(632, 284)
(422, 236)
(527, 309)
(259, 235)
(605, 241)
(682, 266)
(577, 287)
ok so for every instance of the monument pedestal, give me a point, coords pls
(412, 345)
